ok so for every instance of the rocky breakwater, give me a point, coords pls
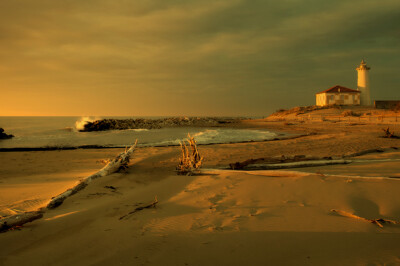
(4, 135)
(121, 124)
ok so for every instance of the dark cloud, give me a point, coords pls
(227, 57)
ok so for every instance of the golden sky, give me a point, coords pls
(192, 57)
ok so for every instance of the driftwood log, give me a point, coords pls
(18, 220)
(268, 160)
(295, 164)
(117, 164)
(379, 222)
(284, 162)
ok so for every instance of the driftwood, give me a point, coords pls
(190, 161)
(389, 135)
(111, 187)
(364, 152)
(284, 162)
(379, 222)
(117, 164)
(18, 220)
(268, 160)
(151, 205)
(295, 164)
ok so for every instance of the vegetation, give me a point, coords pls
(190, 161)
(350, 113)
(300, 110)
(389, 134)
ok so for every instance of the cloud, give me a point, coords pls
(227, 56)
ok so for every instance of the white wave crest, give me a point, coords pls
(226, 135)
(80, 124)
(206, 136)
(138, 129)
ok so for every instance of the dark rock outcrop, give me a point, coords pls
(4, 135)
(140, 123)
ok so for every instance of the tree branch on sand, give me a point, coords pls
(151, 205)
(119, 163)
(379, 222)
(285, 162)
(190, 161)
(389, 135)
(16, 221)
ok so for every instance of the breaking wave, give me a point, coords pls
(214, 136)
(137, 129)
(33, 132)
(80, 124)
(211, 136)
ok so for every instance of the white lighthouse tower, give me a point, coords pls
(363, 83)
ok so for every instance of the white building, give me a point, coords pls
(363, 83)
(338, 95)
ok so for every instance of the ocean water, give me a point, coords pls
(33, 132)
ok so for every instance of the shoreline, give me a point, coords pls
(151, 138)
(87, 147)
(219, 207)
(287, 124)
(293, 135)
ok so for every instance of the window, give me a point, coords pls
(341, 97)
(346, 97)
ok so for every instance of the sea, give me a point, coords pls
(63, 132)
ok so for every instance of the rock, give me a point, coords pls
(140, 123)
(4, 135)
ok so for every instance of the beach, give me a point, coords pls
(221, 217)
(199, 133)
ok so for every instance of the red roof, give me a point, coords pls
(337, 89)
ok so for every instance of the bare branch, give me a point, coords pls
(190, 162)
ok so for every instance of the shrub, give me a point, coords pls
(190, 161)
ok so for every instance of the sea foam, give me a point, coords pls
(80, 124)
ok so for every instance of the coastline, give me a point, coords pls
(88, 147)
(200, 133)
(222, 206)
(304, 140)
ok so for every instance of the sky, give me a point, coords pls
(190, 57)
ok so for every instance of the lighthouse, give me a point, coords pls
(363, 83)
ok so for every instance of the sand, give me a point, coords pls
(221, 217)
(29, 179)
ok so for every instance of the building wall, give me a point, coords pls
(321, 99)
(342, 98)
(363, 86)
